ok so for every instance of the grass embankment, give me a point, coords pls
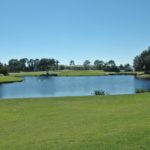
(9, 79)
(21, 74)
(62, 73)
(76, 123)
(14, 76)
(122, 73)
(81, 73)
(143, 76)
(73, 73)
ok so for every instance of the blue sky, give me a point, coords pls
(74, 29)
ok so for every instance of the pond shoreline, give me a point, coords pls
(10, 79)
(17, 77)
(59, 86)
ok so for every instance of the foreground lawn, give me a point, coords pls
(76, 123)
(9, 79)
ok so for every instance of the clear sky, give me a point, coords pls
(74, 29)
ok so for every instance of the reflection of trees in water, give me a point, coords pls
(71, 86)
(142, 84)
(1, 91)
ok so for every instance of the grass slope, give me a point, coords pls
(81, 73)
(143, 76)
(73, 73)
(20, 74)
(62, 73)
(9, 79)
(76, 123)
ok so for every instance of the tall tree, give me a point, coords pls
(3, 69)
(22, 64)
(72, 63)
(142, 61)
(111, 63)
(56, 64)
(128, 67)
(111, 66)
(31, 66)
(99, 64)
(86, 64)
(14, 65)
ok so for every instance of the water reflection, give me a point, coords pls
(71, 86)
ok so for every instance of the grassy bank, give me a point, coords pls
(81, 73)
(9, 79)
(73, 73)
(21, 74)
(122, 73)
(143, 76)
(15, 77)
(62, 73)
(76, 123)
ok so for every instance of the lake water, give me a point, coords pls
(72, 86)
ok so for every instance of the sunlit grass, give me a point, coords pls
(81, 73)
(8, 79)
(76, 123)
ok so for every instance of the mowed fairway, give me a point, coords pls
(81, 73)
(63, 73)
(9, 79)
(76, 123)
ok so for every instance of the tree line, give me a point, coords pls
(24, 64)
(109, 66)
(46, 64)
(140, 63)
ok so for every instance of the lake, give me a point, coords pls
(72, 86)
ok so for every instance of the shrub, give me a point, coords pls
(99, 92)
(4, 71)
(141, 90)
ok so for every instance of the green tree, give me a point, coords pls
(121, 67)
(128, 67)
(31, 65)
(22, 64)
(86, 64)
(98, 64)
(142, 61)
(72, 63)
(111, 66)
(56, 64)
(14, 65)
(3, 69)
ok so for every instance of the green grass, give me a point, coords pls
(122, 73)
(15, 77)
(81, 73)
(72, 73)
(9, 79)
(76, 123)
(62, 73)
(143, 76)
(20, 74)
